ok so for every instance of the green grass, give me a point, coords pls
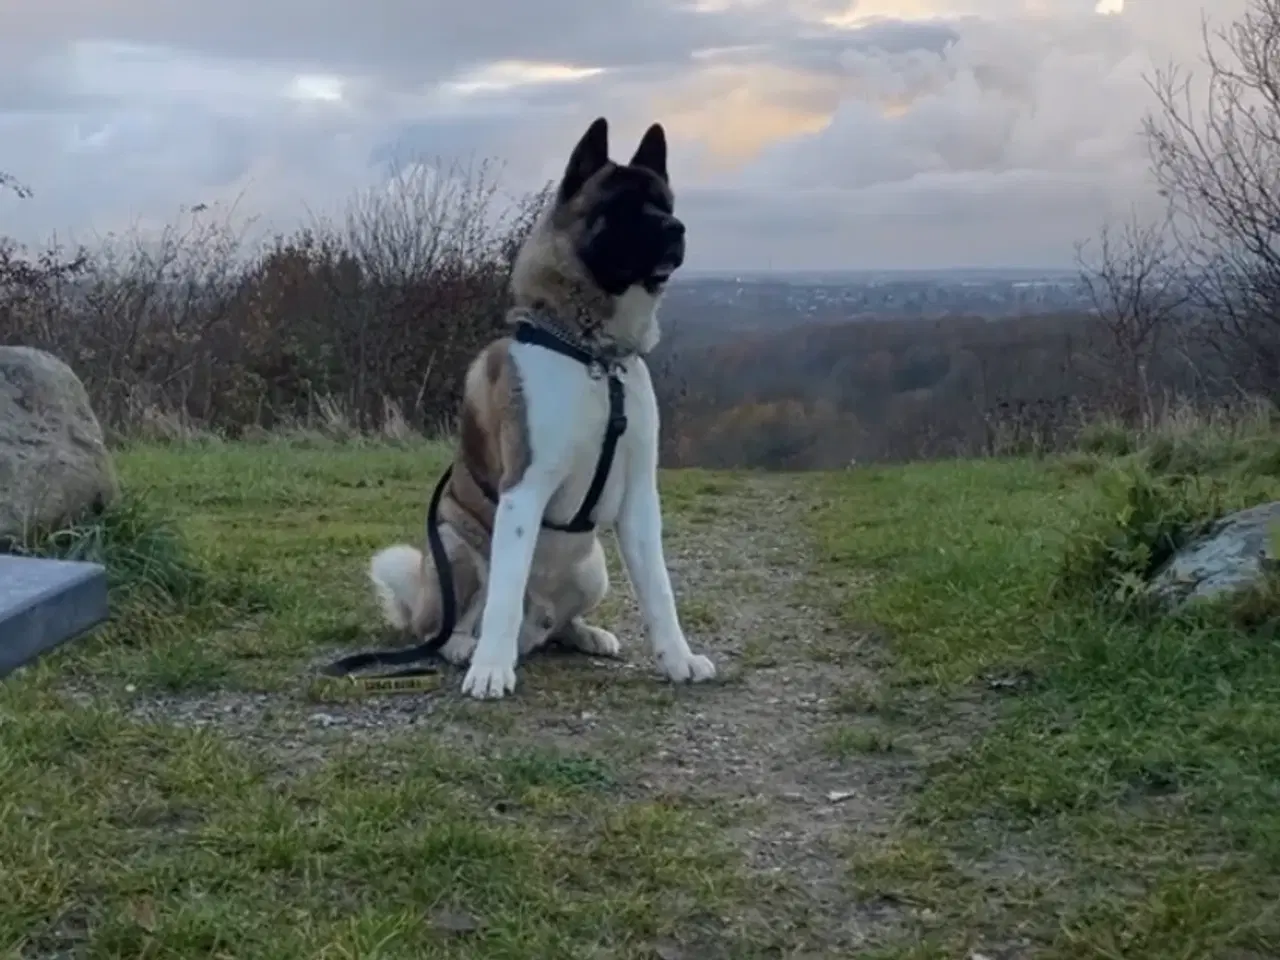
(234, 569)
(1116, 793)
(848, 741)
(135, 840)
(1096, 778)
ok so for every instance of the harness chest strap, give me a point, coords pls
(583, 521)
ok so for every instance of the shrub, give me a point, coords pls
(1107, 437)
(194, 330)
(160, 590)
(1143, 520)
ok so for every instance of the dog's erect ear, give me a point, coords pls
(591, 153)
(652, 152)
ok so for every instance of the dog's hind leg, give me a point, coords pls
(539, 618)
(470, 575)
(538, 624)
(462, 643)
(587, 586)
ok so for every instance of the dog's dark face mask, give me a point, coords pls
(630, 235)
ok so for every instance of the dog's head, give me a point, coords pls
(621, 218)
(610, 235)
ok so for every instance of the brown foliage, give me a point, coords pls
(826, 395)
(376, 313)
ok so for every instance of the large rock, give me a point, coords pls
(1236, 553)
(54, 466)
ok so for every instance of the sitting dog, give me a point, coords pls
(558, 437)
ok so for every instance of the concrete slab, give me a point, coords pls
(44, 603)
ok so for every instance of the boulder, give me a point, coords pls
(54, 465)
(1233, 555)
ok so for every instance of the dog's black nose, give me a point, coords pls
(673, 231)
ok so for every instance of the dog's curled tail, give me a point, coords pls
(399, 584)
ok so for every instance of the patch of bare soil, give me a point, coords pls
(757, 742)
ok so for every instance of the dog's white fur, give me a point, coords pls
(399, 583)
(539, 583)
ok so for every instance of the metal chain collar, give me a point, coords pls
(606, 358)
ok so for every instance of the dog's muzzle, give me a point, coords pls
(672, 249)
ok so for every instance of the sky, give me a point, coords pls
(804, 134)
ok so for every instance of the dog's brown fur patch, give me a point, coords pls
(494, 427)
(493, 440)
(548, 275)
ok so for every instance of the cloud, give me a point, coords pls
(805, 133)
(1014, 138)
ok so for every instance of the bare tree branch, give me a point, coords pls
(1136, 285)
(1216, 158)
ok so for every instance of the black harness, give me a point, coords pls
(582, 522)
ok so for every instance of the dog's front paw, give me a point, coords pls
(489, 681)
(459, 648)
(687, 667)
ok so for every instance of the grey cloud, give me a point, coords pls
(425, 40)
(1013, 142)
(99, 118)
(826, 51)
(33, 84)
(1014, 220)
(960, 139)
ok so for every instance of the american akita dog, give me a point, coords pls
(558, 437)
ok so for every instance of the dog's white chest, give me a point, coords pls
(568, 414)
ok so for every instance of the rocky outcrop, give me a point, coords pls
(54, 465)
(1236, 553)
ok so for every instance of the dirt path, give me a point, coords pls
(764, 742)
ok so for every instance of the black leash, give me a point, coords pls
(583, 521)
(449, 619)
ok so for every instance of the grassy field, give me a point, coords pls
(937, 732)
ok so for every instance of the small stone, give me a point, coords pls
(451, 921)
